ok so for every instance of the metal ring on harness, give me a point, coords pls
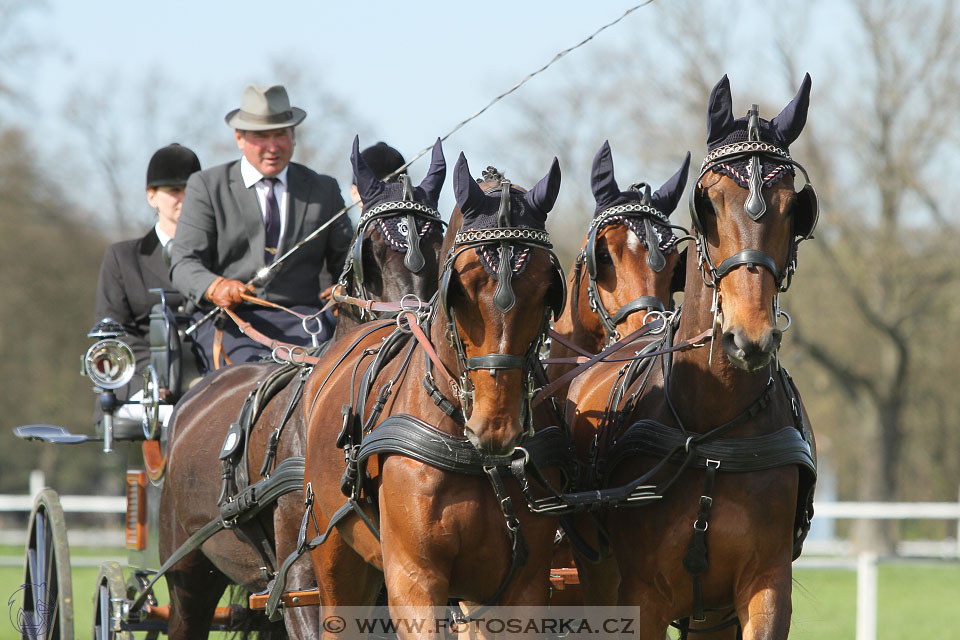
(416, 305)
(652, 316)
(405, 326)
(278, 351)
(781, 312)
(305, 321)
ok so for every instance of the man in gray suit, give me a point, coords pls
(239, 216)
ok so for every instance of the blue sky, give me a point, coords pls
(454, 57)
(409, 72)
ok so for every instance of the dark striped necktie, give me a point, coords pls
(271, 222)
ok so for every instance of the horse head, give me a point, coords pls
(629, 228)
(399, 233)
(749, 219)
(500, 285)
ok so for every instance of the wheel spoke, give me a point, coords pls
(29, 579)
(40, 543)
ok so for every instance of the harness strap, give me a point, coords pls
(293, 353)
(274, 441)
(556, 337)
(218, 346)
(617, 346)
(637, 304)
(287, 478)
(278, 586)
(696, 562)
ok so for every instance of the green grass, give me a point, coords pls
(914, 600)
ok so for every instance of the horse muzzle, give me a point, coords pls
(495, 436)
(749, 353)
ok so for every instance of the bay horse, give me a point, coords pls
(723, 436)
(627, 266)
(395, 254)
(433, 519)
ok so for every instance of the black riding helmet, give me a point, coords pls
(383, 160)
(170, 166)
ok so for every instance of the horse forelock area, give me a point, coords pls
(739, 170)
(394, 230)
(666, 239)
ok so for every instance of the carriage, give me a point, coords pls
(452, 436)
(47, 603)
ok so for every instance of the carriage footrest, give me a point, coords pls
(258, 601)
(560, 579)
(51, 433)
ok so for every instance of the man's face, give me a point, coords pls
(268, 151)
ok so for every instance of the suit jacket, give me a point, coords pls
(221, 233)
(129, 269)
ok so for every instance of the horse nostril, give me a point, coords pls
(731, 343)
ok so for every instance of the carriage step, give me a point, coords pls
(230, 617)
(258, 601)
(560, 579)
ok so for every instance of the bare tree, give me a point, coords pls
(876, 289)
(886, 223)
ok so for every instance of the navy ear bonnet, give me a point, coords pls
(374, 192)
(723, 130)
(664, 200)
(482, 210)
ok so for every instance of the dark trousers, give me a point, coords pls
(273, 323)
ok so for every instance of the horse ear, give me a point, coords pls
(544, 194)
(368, 184)
(604, 185)
(433, 181)
(719, 112)
(468, 193)
(788, 125)
(666, 197)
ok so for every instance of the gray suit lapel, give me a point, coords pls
(250, 225)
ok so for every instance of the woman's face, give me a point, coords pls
(167, 201)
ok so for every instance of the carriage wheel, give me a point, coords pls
(110, 589)
(47, 593)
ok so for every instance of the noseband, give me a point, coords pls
(754, 150)
(410, 210)
(656, 260)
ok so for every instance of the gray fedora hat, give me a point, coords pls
(263, 108)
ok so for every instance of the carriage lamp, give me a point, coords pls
(109, 364)
(107, 328)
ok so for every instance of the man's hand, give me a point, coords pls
(226, 293)
(326, 293)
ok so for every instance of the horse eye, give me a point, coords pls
(603, 256)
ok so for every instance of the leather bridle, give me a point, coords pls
(508, 238)
(755, 207)
(656, 260)
(413, 259)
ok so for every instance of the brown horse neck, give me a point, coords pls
(702, 385)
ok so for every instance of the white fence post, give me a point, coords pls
(867, 596)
